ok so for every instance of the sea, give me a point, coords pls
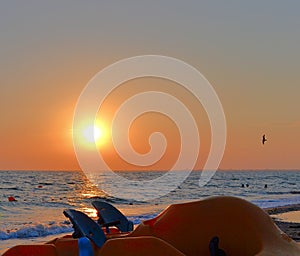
(41, 197)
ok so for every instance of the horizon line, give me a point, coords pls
(162, 170)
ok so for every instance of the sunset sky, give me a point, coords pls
(248, 50)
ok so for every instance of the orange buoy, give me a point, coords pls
(11, 199)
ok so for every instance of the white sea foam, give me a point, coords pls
(267, 203)
(36, 230)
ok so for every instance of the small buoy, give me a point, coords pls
(11, 199)
(243, 185)
(247, 185)
(40, 186)
(266, 186)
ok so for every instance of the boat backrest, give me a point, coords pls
(86, 226)
(108, 214)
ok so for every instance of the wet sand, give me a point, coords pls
(287, 219)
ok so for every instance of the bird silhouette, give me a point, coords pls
(264, 139)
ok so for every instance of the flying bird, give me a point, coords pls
(264, 139)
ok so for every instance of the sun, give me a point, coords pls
(92, 133)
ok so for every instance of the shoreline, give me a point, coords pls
(290, 227)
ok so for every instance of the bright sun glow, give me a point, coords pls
(88, 135)
(92, 133)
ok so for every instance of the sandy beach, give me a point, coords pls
(287, 219)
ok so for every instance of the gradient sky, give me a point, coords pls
(248, 50)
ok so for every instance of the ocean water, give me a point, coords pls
(43, 195)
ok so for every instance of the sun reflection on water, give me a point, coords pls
(91, 212)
